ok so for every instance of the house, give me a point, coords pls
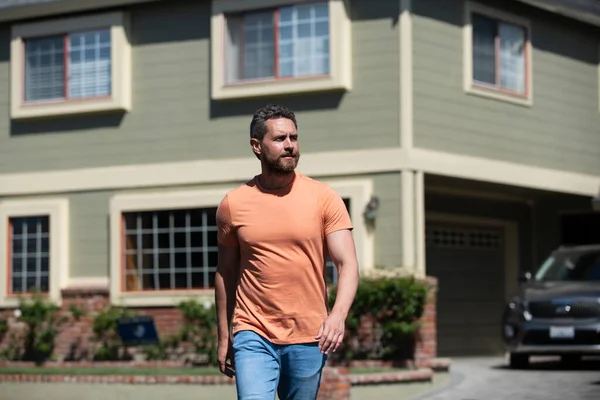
(472, 124)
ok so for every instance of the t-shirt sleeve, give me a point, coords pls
(226, 234)
(335, 214)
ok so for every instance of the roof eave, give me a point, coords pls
(569, 12)
(60, 7)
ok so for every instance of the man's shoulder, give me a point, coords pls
(241, 190)
(316, 185)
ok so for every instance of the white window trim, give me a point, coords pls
(359, 192)
(120, 99)
(339, 79)
(469, 86)
(152, 201)
(58, 211)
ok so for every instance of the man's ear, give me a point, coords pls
(255, 144)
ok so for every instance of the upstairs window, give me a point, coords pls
(74, 66)
(280, 43)
(70, 66)
(499, 55)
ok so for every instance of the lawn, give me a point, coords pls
(158, 371)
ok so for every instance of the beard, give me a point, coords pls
(282, 165)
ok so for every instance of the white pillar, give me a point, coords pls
(413, 221)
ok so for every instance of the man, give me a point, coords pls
(274, 328)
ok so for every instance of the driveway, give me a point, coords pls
(546, 379)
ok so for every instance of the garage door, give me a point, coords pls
(469, 263)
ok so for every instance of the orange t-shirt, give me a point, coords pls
(281, 293)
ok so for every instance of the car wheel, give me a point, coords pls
(519, 361)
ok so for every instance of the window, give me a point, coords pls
(29, 260)
(36, 236)
(497, 55)
(302, 46)
(163, 246)
(71, 66)
(287, 42)
(170, 249)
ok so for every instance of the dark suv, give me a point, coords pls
(557, 311)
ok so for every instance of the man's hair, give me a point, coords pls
(258, 126)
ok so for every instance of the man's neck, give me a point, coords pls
(275, 180)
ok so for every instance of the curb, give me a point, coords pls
(127, 379)
(420, 375)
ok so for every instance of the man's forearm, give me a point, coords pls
(225, 286)
(346, 289)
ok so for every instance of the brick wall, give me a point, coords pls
(427, 340)
(73, 341)
(335, 384)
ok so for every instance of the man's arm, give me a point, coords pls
(226, 279)
(343, 254)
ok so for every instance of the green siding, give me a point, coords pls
(560, 130)
(173, 118)
(388, 228)
(89, 231)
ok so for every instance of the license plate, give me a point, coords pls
(562, 332)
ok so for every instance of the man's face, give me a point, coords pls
(279, 148)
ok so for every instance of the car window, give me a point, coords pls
(571, 266)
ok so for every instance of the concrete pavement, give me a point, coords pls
(547, 379)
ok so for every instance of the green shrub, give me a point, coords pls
(199, 328)
(3, 328)
(42, 322)
(394, 307)
(104, 332)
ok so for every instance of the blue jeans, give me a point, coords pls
(263, 369)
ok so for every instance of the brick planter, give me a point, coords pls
(427, 339)
(335, 384)
(73, 344)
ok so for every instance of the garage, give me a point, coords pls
(469, 261)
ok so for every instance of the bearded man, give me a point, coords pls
(275, 329)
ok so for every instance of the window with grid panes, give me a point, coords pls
(29, 257)
(170, 249)
(286, 42)
(499, 55)
(75, 65)
(331, 273)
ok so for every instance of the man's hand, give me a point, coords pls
(225, 359)
(331, 333)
